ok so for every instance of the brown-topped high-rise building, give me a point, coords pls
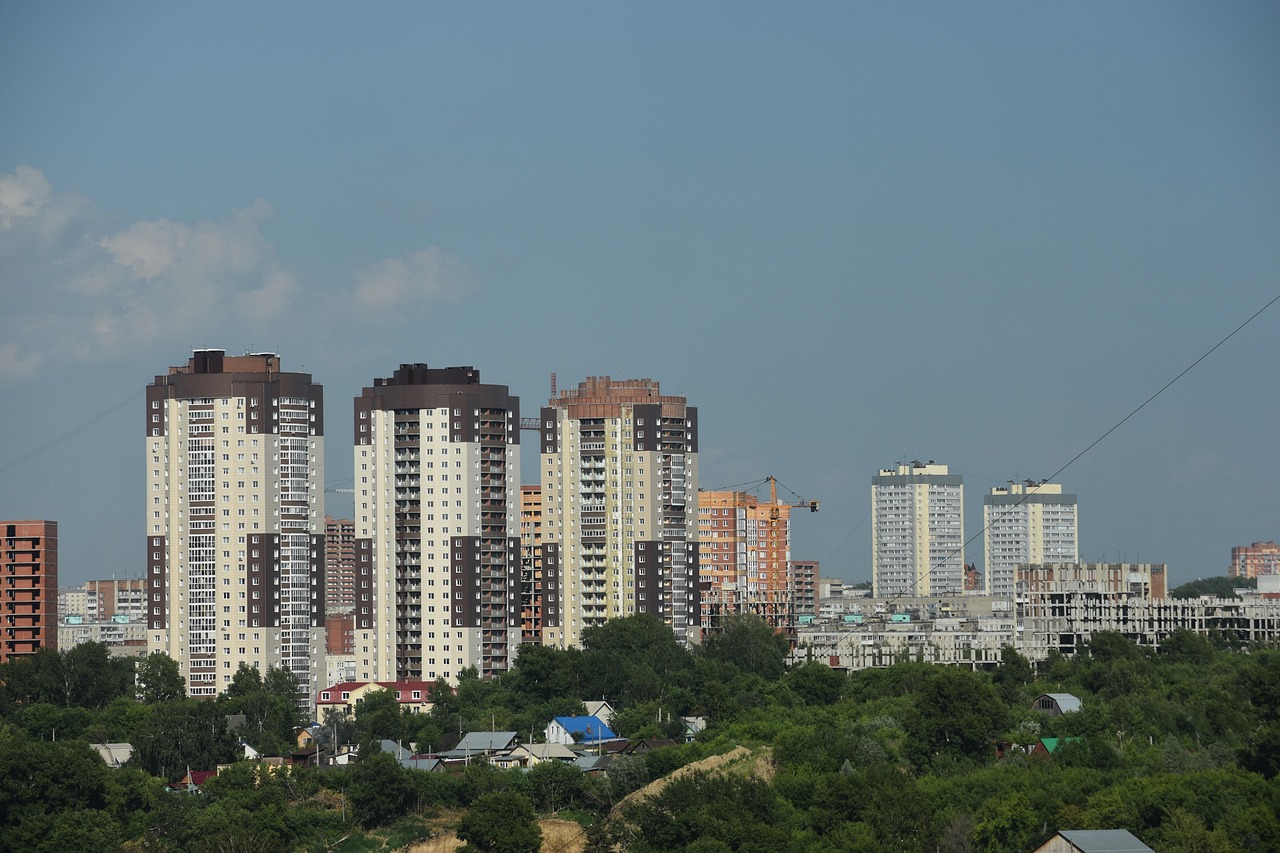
(539, 583)
(28, 587)
(235, 519)
(437, 465)
(619, 494)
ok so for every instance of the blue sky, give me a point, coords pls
(851, 234)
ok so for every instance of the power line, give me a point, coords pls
(1092, 445)
(69, 434)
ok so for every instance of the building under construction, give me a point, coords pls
(746, 566)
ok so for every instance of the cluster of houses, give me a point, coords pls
(586, 742)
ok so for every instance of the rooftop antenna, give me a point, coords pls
(553, 385)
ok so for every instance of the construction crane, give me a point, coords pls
(767, 591)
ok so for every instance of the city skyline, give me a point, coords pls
(850, 234)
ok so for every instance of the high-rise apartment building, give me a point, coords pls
(339, 565)
(437, 465)
(1026, 523)
(917, 531)
(619, 485)
(28, 587)
(1250, 561)
(235, 519)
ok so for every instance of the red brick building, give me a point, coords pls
(28, 587)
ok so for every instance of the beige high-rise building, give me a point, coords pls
(619, 494)
(917, 531)
(437, 467)
(1026, 523)
(235, 519)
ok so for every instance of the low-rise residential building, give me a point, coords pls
(413, 696)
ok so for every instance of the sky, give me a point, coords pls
(852, 234)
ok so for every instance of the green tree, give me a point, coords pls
(378, 789)
(750, 644)
(159, 679)
(500, 822)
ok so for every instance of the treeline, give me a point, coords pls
(1182, 747)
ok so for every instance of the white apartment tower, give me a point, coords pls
(1025, 523)
(619, 491)
(235, 519)
(917, 521)
(437, 516)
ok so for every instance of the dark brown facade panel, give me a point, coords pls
(364, 584)
(691, 415)
(645, 426)
(157, 574)
(317, 580)
(648, 557)
(550, 434)
(551, 616)
(264, 580)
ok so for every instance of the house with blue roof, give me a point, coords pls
(578, 730)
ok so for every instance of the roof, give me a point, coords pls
(404, 688)
(546, 751)
(1066, 702)
(1052, 743)
(1104, 841)
(114, 754)
(474, 742)
(591, 728)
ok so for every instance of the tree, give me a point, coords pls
(378, 789)
(750, 644)
(378, 717)
(501, 822)
(159, 679)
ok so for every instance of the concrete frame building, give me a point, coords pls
(234, 519)
(437, 465)
(28, 587)
(619, 484)
(539, 584)
(1026, 523)
(917, 531)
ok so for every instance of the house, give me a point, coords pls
(1056, 704)
(407, 758)
(114, 754)
(533, 754)
(580, 730)
(692, 727)
(479, 744)
(640, 747)
(1093, 841)
(593, 765)
(602, 709)
(192, 781)
(413, 696)
(1046, 746)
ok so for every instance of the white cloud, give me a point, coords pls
(412, 281)
(156, 282)
(22, 194)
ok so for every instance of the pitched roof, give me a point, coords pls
(1052, 743)
(591, 728)
(476, 742)
(114, 754)
(1104, 841)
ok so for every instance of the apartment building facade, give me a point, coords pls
(339, 565)
(1026, 523)
(917, 521)
(1251, 561)
(234, 519)
(619, 471)
(28, 587)
(437, 465)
